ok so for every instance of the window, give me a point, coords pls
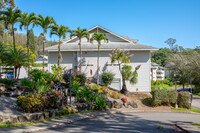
(75, 56)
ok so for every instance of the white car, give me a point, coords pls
(4, 76)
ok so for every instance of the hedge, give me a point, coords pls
(184, 100)
(164, 97)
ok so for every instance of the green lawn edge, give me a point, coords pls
(191, 110)
(196, 124)
(4, 125)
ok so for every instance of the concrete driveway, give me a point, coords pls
(127, 123)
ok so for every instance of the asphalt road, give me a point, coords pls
(128, 122)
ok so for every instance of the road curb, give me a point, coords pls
(187, 127)
(51, 124)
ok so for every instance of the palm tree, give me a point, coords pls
(45, 23)
(121, 57)
(80, 33)
(26, 20)
(10, 16)
(60, 31)
(2, 53)
(98, 37)
(17, 58)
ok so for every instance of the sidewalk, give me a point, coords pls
(188, 127)
(49, 124)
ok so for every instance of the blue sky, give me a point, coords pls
(150, 21)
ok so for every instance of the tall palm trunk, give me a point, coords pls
(98, 65)
(28, 50)
(124, 88)
(13, 34)
(43, 51)
(59, 57)
(80, 56)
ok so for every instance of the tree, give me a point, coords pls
(26, 20)
(17, 58)
(80, 33)
(179, 64)
(45, 23)
(60, 31)
(99, 37)
(128, 75)
(160, 57)
(3, 5)
(2, 52)
(121, 57)
(11, 16)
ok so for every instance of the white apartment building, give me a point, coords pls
(157, 72)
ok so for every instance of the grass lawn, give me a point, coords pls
(45, 120)
(196, 124)
(191, 110)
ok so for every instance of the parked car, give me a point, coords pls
(3, 76)
(7, 75)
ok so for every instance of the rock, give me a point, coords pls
(22, 118)
(46, 115)
(13, 119)
(132, 104)
(7, 94)
(52, 113)
(90, 106)
(117, 104)
(3, 88)
(40, 116)
(109, 104)
(12, 88)
(125, 105)
(82, 100)
(14, 95)
(32, 117)
(1, 118)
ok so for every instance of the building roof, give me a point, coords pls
(125, 43)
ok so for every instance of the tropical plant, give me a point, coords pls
(2, 52)
(127, 74)
(107, 78)
(27, 84)
(121, 57)
(10, 16)
(26, 20)
(58, 70)
(99, 37)
(60, 31)
(80, 33)
(45, 23)
(17, 58)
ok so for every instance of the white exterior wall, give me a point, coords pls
(140, 58)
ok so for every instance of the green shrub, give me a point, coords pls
(115, 95)
(48, 77)
(85, 93)
(172, 96)
(159, 97)
(163, 97)
(42, 86)
(38, 102)
(100, 103)
(81, 78)
(75, 88)
(37, 75)
(184, 100)
(7, 82)
(55, 69)
(97, 87)
(107, 78)
(27, 84)
(66, 110)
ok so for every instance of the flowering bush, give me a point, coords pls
(184, 100)
(38, 102)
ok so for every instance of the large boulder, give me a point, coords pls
(132, 104)
(117, 104)
(22, 118)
